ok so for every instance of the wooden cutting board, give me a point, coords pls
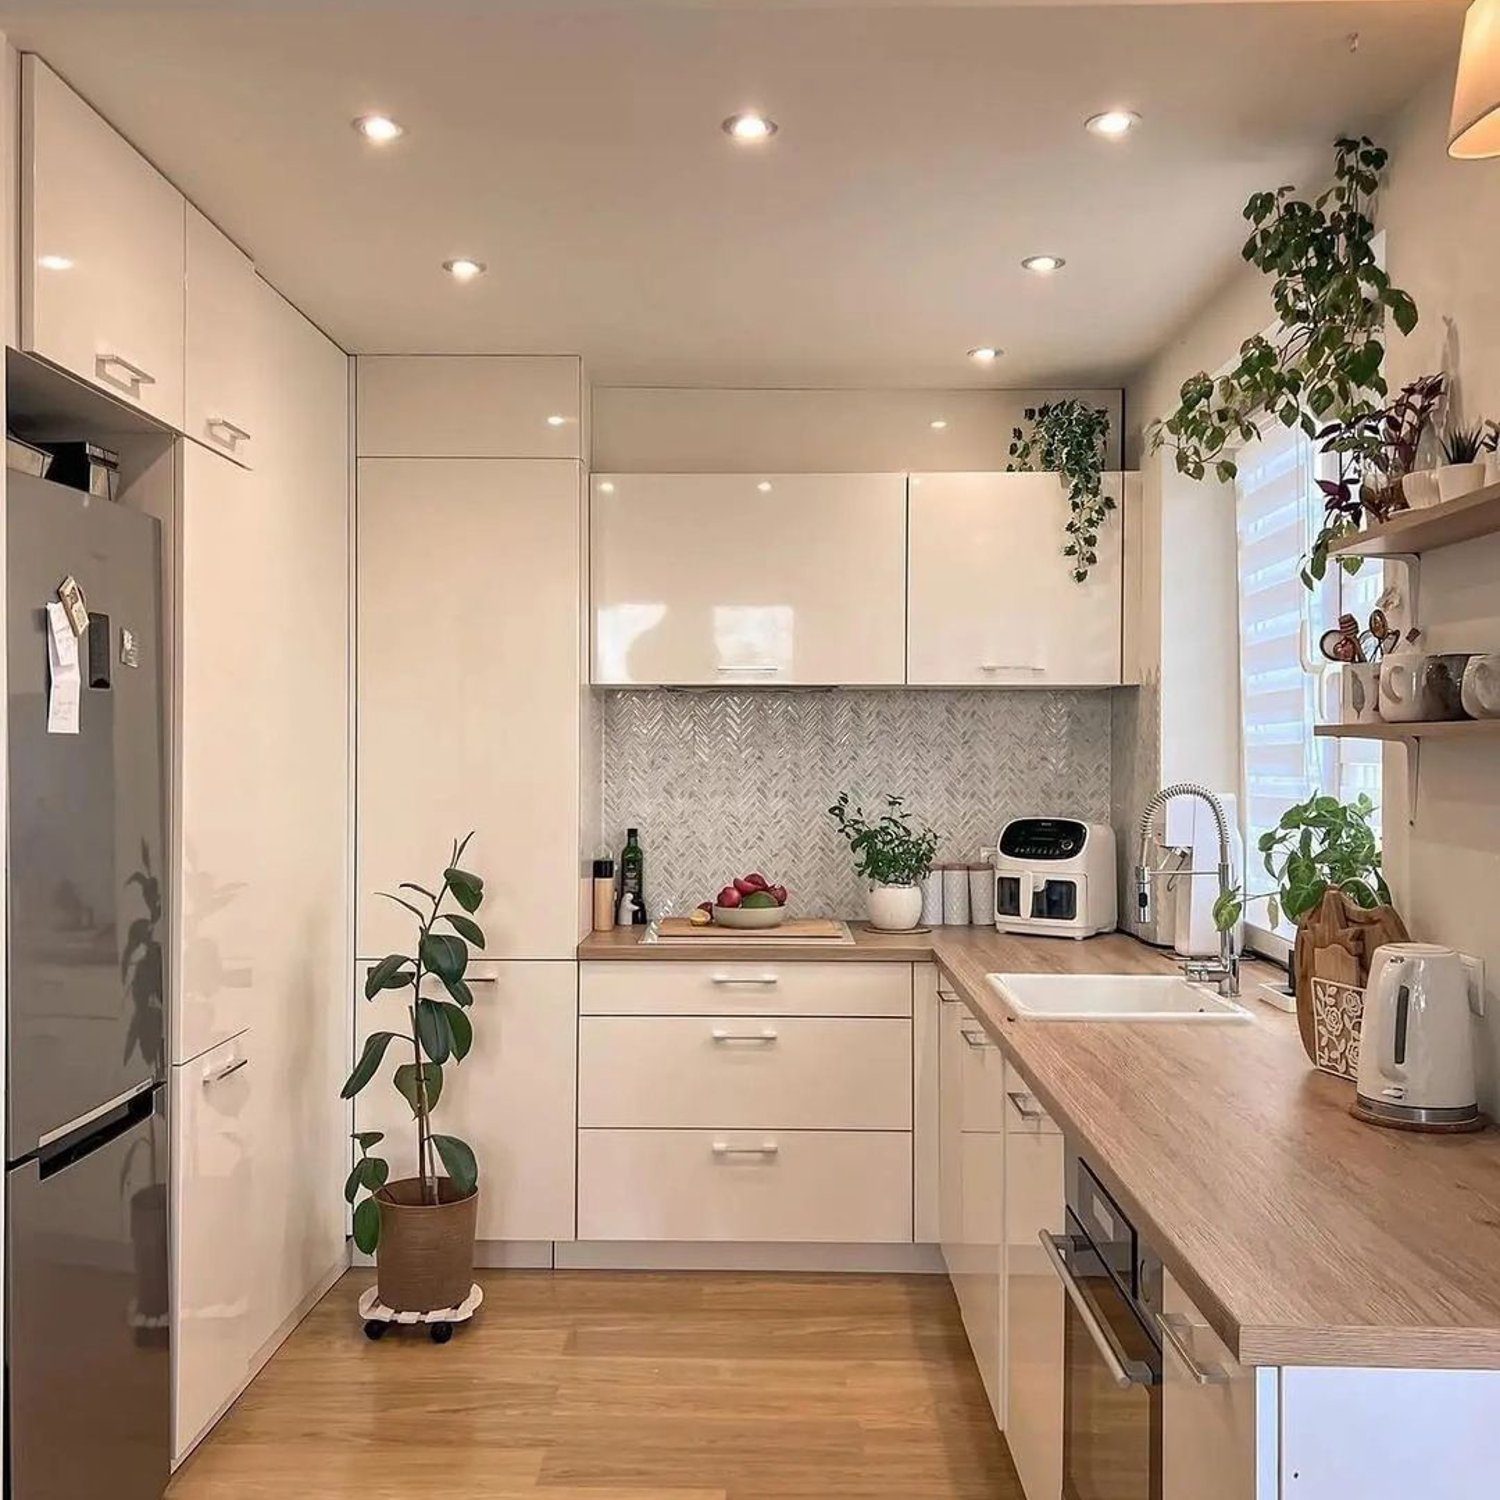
(798, 927)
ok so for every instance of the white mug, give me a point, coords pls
(1416, 687)
(1358, 699)
(1481, 690)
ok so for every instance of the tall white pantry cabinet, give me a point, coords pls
(472, 711)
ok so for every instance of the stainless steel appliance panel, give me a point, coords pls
(87, 1306)
(87, 836)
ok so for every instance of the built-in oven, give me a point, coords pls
(1111, 1355)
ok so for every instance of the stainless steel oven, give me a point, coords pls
(1111, 1355)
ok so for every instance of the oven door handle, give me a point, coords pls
(1124, 1372)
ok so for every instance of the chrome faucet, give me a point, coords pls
(1226, 972)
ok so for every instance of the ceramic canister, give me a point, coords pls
(932, 897)
(1481, 686)
(1422, 689)
(955, 895)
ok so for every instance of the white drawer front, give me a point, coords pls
(850, 1187)
(691, 988)
(728, 1072)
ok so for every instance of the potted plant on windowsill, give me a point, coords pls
(894, 855)
(421, 1229)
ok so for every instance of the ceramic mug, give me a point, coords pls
(1416, 688)
(1358, 700)
(1481, 686)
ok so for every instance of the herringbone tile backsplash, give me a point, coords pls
(721, 783)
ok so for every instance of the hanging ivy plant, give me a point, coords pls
(1323, 365)
(1069, 436)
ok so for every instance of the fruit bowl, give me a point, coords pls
(749, 916)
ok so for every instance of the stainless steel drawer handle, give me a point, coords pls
(947, 996)
(977, 1040)
(733, 979)
(766, 1148)
(761, 1038)
(1176, 1331)
(1124, 1372)
(226, 1071)
(769, 666)
(1026, 1106)
(1010, 666)
(234, 433)
(136, 375)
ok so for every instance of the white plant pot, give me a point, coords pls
(1420, 488)
(894, 908)
(1492, 468)
(1459, 479)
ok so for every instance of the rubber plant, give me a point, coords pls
(1323, 366)
(440, 1032)
(890, 850)
(1069, 436)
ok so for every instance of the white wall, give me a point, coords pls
(1442, 223)
(653, 430)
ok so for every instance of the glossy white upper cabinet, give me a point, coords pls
(217, 1266)
(469, 696)
(470, 406)
(226, 368)
(991, 597)
(746, 579)
(102, 248)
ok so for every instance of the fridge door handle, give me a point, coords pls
(84, 1121)
(111, 1122)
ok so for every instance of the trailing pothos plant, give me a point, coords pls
(1324, 363)
(1069, 436)
(440, 1032)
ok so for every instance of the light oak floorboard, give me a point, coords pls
(588, 1385)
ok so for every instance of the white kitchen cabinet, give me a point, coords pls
(102, 247)
(217, 1272)
(225, 372)
(512, 1098)
(736, 580)
(991, 599)
(1033, 1294)
(1208, 1408)
(470, 702)
(950, 1133)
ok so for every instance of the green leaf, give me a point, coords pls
(432, 1031)
(368, 1138)
(367, 1225)
(467, 888)
(446, 956)
(369, 1172)
(468, 929)
(408, 1077)
(459, 1160)
(387, 975)
(421, 890)
(460, 1029)
(459, 989)
(369, 1061)
(420, 915)
(1403, 310)
(1228, 909)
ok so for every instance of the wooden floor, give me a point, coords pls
(615, 1386)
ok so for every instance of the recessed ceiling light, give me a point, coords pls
(606, 487)
(1113, 123)
(54, 262)
(764, 486)
(379, 129)
(985, 354)
(464, 269)
(749, 126)
(556, 421)
(1044, 265)
(938, 423)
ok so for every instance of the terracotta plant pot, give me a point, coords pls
(425, 1261)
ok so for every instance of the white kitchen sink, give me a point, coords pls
(1111, 997)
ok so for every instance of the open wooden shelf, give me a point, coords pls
(1442, 729)
(1415, 531)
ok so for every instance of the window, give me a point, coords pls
(1278, 509)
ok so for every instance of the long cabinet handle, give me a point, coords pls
(1026, 1106)
(976, 1039)
(761, 1038)
(226, 1071)
(733, 979)
(1175, 1331)
(1124, 1372)
(1010, 666)
(768, 666)
(766, 1148)
(137, 375)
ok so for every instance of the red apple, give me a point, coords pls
(779, 892)
(729, 896)
(756, 882)
(743, 886)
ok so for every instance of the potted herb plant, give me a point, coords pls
(1462, 469)
(1070, 436)
(421, 1229)
(893, 854)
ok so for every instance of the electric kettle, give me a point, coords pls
(1416, 1046)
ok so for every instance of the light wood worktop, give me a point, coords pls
(1304, 1236)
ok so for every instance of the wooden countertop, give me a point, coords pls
(897, 947)
(1304, 1236)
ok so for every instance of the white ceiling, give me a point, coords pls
(923, 150)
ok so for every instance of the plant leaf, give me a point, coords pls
(468, 929)
(387, 975)
(432, 1031)
(459, 1160)
(407, 1078)
(367, 1225)
(368, 1138)
(467, 888)
(460, 1029)
(459, 989)
(446, 956)
(369, 1061)
(420, 915)
(369, 1172)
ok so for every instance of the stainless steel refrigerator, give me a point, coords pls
(87, 1344)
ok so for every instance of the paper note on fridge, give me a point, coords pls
(65, 679)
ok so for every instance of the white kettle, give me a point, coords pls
(1416, 1045)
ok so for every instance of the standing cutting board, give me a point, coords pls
(799, 927)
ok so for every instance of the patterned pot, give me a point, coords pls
(425, 1261)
